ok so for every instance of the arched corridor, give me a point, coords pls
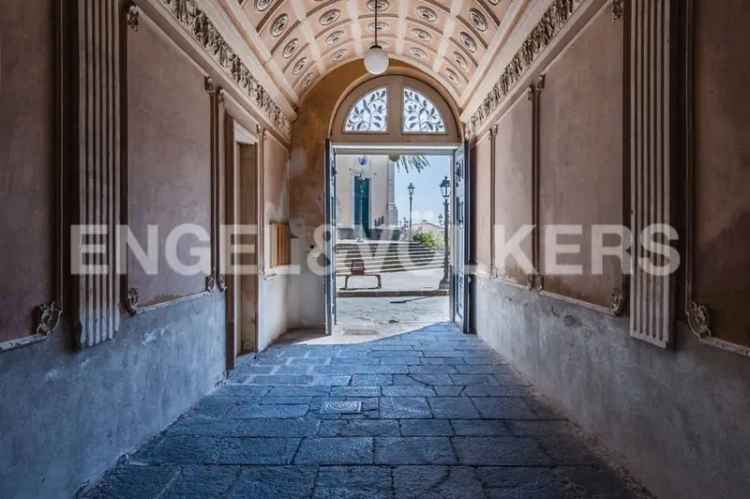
(374, 248)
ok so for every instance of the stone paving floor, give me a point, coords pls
(426, 414)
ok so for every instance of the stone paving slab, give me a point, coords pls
(438, 415)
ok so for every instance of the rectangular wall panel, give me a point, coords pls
(98, 162)
(482, 161)
(650, 295)
(28, 164)
(719, 258)
(513, 189)
(170, 171)
(581, 160)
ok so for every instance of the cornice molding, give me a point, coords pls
(541, 36)
(197, 23)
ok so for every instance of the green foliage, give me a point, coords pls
(429, 240)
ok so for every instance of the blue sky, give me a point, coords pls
(428, 201)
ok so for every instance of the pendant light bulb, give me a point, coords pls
(376, 60)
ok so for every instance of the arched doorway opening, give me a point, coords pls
(386, 132)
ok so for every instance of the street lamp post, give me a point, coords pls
(411, 203)
(445, 188)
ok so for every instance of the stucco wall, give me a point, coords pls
(67, 415)
(676, 419)
(306, 184)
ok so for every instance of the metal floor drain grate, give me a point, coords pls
(341, 407)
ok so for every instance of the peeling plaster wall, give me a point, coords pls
(67, 416)
(676, 419)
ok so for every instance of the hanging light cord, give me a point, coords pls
(376, 22)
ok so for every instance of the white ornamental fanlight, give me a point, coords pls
(376, 60)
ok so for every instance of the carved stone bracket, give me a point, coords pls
(535, 282)
(209, 86)
(210, 283)
(541, 37)
(205, 33)
(131, 301)
(48, 318)
(133, 16)
(618, 10)
(540, 83)
(618, 302)
(699, 320)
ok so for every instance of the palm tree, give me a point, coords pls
(417, 162)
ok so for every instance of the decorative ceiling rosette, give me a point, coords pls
(468, 42)
(290, 48)
(329, 17)
(262, 5)
(478, 19)
(279, 25)
(427, 14)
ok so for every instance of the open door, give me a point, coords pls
(461, 288)
(330, 246)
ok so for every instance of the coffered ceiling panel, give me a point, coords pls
(448, 39)
(429, 13)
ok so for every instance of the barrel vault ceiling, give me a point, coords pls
(300, 41)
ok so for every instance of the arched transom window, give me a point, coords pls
(394, 109)
(420, 114)
(370, 113)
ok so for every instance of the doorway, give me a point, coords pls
(385, 228)
(240, 215)
(397, 242)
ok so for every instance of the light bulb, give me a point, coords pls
(376, 60)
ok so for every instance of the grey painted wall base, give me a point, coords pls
(676, 418)
(66, 416)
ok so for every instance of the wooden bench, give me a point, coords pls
(357, 268)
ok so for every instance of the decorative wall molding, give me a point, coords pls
(535, 282)
(698, 315)
(131, 301)
(493, 221)
(49, 316)
(202, 29)
(210, 283)
(98, 163)
(541, 36)
(133, 16)
(209, 86)
(618, 302)
(651, 317)
(699, 320)
(618, 10)
(535, 92)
